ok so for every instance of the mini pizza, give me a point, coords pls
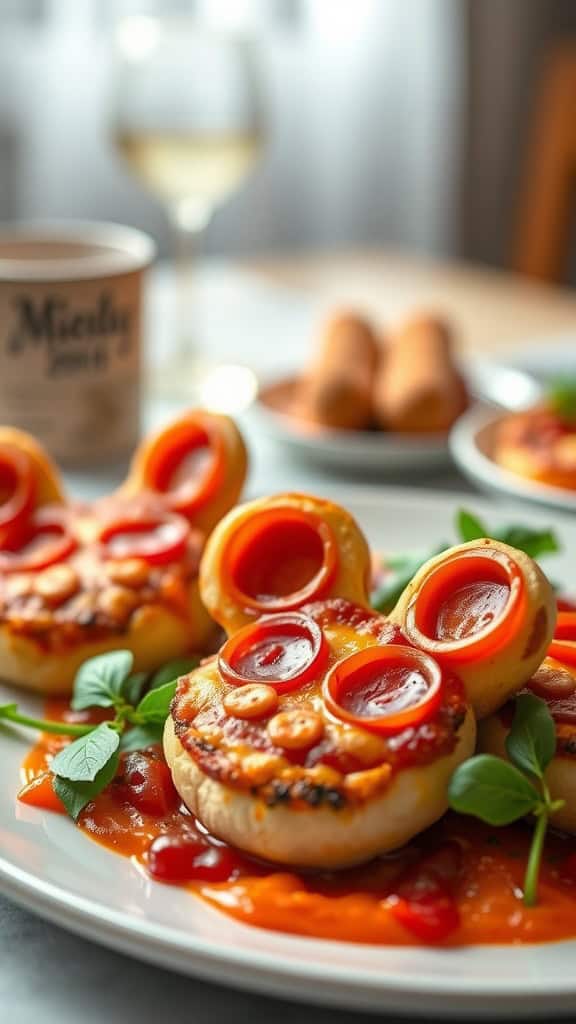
(77, 580)
(486, 612)
(539, 445)
(318, 736)
(554, 682)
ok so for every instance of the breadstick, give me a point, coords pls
(336, 391)
(419, 390)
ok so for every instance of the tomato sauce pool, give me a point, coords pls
(457, 884)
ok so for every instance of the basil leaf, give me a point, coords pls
(141, 736)
(81, 760)
(173, 670)
(491, 789)
(75, 795)
(132, 687)
(155, 704)
(533, 542)
(469, 527)
(562, 397)
(531, 742)
(99, 680)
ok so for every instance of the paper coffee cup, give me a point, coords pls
(70, 336)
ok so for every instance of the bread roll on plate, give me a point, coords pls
(336, 390)
(419, 389)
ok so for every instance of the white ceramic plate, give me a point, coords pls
(377, 452)
(471, 444)
(52, 868)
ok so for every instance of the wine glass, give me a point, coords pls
(186, 117)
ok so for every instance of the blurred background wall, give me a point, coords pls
(390, 122)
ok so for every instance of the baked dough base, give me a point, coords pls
(155, 635)
(319, 837)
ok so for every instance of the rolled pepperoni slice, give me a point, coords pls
(156, 538)
(563, 645)
(468, 606)
(46, 540)
(385, 689)
(279, 559)
(17, 492)
(282, 651)
(187, 463)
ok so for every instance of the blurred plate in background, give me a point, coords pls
(472, 444)
(377, 452)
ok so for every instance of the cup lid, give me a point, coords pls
(70, 250)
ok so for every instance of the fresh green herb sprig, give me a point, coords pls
(533, 542)
(83, 768)
(501, 791)
(400, 569)
(561, 397)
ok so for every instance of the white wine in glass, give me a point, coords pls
(177, 167)
(187, 120)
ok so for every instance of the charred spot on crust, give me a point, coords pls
(301, 791)
(537, 633)
(457, 717)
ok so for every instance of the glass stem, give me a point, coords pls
(189, 219)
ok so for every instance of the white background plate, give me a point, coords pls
(52, 868)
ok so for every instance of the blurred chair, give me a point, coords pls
(547, 210)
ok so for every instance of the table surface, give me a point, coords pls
(264, 313)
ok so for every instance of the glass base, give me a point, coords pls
(225, 387)
(180, 377)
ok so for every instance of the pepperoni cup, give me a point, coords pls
(467, 606)
(280, 559)
(486, 612)
(186, 464)
(282, 651)
(46, 539)
(385, 689)
(157, 539)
